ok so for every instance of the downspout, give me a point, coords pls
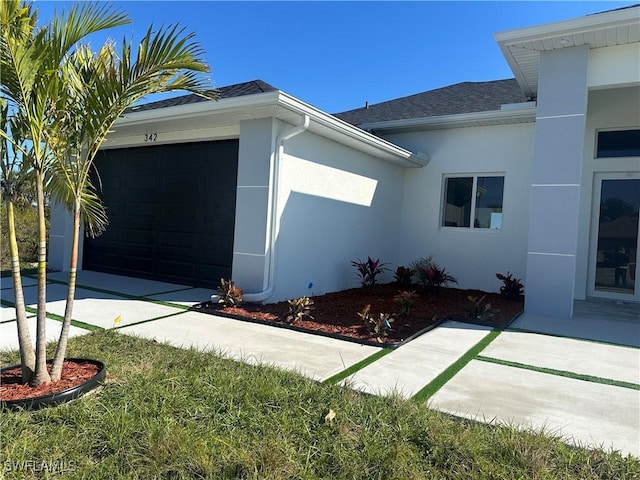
(274, 182)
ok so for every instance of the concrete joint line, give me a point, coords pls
(149, 320)
(357, 366)
(452, 370)
(560, 373)
(552, 254)
(557, 335)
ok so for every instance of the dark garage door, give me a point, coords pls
(171, 212)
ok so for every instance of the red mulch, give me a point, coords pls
(337, 313)
(73, 374)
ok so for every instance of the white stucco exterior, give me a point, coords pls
(473, 256)
(314, 193)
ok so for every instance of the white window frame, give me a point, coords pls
(471, 226)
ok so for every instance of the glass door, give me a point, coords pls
(615, 249)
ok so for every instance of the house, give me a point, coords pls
(538, 175)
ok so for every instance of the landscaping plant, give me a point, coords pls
(60, 100)
(430, 275)
(437, 277)
(479, 309)
(512, 288)
(368, 271)
(405, 300)
(420, 267)
(377, 325)
(404, 276)
(299, 308)
(229, 294)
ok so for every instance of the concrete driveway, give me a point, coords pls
(578, 378)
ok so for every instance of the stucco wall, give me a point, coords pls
(607, 109)
(472, 256)
(335, 205)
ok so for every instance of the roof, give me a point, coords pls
(466, 97)
(230, 91)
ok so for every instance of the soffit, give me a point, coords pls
(522, 47)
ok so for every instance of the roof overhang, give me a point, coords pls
(524, 113)
(522, 47)
(226, 115)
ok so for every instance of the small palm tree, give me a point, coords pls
(84, 93)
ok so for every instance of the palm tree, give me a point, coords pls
(29, 60)
(78, 96)
(13, 177)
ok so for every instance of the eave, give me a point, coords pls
(226, 115)
(522, 47)
(526, 114)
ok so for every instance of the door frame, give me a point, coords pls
(598, 178)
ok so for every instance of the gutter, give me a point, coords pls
(274, 222)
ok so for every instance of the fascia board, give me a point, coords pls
(514, 116)
(618, 18)
(200, 108)
(344, 128)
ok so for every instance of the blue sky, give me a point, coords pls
(339, 55)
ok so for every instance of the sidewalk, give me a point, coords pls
(534, 375)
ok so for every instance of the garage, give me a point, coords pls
(171, 211)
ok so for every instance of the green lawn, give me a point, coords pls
(168, 413)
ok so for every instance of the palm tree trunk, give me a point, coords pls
(61, 349)
(41, 375)
(27, 355)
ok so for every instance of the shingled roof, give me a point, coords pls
(236, 90)
(466, 97)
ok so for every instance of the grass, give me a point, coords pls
(182, 414)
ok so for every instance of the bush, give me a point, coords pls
(379, 325)
(299, 308)
(229, 294)
(512, 288)
(430, 275)
(405, 300)
(368, 271)
(404, 276)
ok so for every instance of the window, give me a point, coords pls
(473, 200)
(618, 143)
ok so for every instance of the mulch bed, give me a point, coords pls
(73, 374)
(336, 314)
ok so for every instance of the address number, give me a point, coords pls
(150, 137)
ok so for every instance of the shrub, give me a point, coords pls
(438, 277)
(405, 300)
(299, 308)
(376, 325)
(369, 270)
(420, 268)
(229, 294)
(404, 276)
(512, 287)
(479, 310)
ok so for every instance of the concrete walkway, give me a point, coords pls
(577, 378)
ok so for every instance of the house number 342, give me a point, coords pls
(150, 137)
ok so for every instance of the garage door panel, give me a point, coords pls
(171, 212)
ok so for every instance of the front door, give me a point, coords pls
(614, 246)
